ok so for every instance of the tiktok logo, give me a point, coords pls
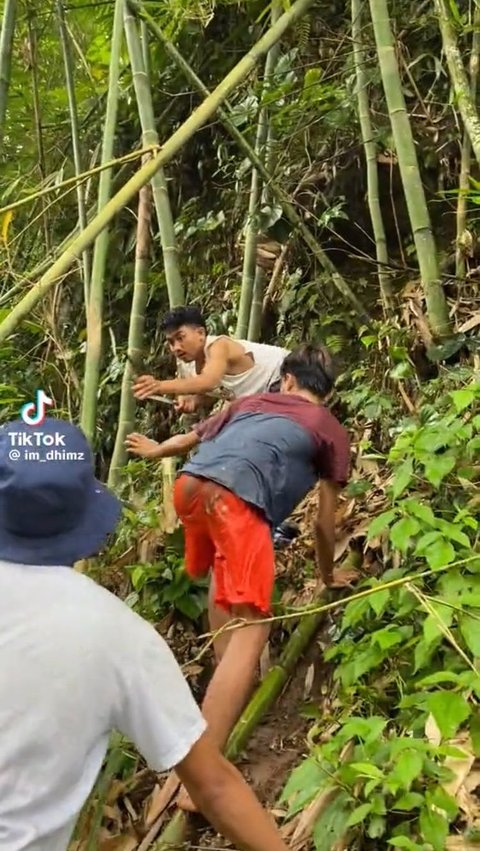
(34, 413)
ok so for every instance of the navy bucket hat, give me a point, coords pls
(52, 509)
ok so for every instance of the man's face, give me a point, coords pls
(187, 343)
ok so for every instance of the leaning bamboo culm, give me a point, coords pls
(95, 304)
(458, 76)
(281, 196)
(464, 180)
(103, 218)
(126, 417)
(75, 133)
(370, 149)
(437, 309)
(6, 47)
(256, 307)
(159, 183)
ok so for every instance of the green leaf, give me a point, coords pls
(403, 477)
(408, 767)
(331, 824)
(439, 466)
(402, 532)
(367, 729)
(379, 600)
(462, 398)
(434, 827)
(437, 678)
(475, 732)
(441, 799)
(404, 842)
(432, 625)
(470, 629)
(387, 637)
(410, 801)
(359, 814)
(367, 769)
(449, 710)
(439, 554)
(380, 523)
(376, 827)
(421, 511)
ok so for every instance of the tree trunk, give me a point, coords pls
(95, 305)
(103, 218)
(458, 75)
(77, 157)
(126, 417)
(464, 181)
(281, 196)
(6, 47)
(412, 183)
(370, 149)
(159, 183)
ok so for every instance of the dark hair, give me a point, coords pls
(312, 368)
(188, 315)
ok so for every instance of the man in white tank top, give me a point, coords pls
(205, 363)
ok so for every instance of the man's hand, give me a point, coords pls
(343, 577)
(140, 445)
(146, 386)
(186, 404)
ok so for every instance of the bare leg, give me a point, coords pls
(218, 618)
(232, 682)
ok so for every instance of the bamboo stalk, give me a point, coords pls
(458, 76)
(464, 181)
(6, 47)
(193, 123)
(159, 183)
(370, 149)
(437, 308)
(77, 156)
(256, 307)
(126, 417)
(95, 304)
(37, 113)
(281, 196)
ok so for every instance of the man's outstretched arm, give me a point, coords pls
(324, 532)
(144, 447)
(209, 379)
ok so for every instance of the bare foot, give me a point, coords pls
(184, 801)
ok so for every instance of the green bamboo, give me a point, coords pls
(464, 181)
(37, 112)
(281, 196)
(173, 836)
(370, 149)
(256, 307)
(126, 417)
(159, 183)
(84, 239)
(437, 309)
(6, 47)
(458, 76)
(193, 123)
(74, 125)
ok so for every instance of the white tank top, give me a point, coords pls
(264, 372)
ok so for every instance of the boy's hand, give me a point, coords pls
(186, 404)
(146, 386)
(140, 445)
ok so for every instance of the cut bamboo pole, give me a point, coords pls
(101, 221)
(6, 47)
(95, 304)
(150, 137)
(126, 417)
(370, 149)
(281, 196)
(464, 180)
(75, 132)
(418, 213)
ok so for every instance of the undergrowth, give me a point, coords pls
(405, 657)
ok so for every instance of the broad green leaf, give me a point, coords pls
(331, 824)
(437, 467)
(408, 802)
(309, 776)
(376, 827)
(407, 767)
(434, 827)
(470, 629)
(387, 637)
(475, 732)
(367, 769)
(439, 554)
(359, 814)
(378, 601)
(367, 729)
(462, 398)
(405, 842)
(403, 531)
(403, 477)
(380, 523)
(432, 626)
(437, 678)
(441, 799)
(422, 511)
(449, 710)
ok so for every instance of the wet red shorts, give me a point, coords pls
(227, 534)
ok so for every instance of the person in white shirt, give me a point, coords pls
(206, 363)
(77, 663)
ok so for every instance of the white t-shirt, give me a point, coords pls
(75, 663)
(264, 371)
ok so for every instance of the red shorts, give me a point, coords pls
(227, 534)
